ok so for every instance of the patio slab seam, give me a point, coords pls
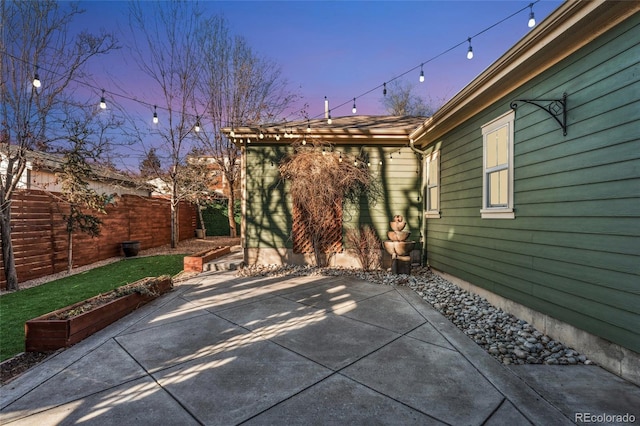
(61, 360)
(530, 403)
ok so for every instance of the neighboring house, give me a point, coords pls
(217, 179)
(518, 193)
(41, 169)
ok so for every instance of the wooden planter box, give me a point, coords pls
(44, 334)
(195, 262)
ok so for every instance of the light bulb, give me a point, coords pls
(353, 110)
(532, 18)
(470, 51)
(384, 89)
(261, 136)
(36, 80)
(421, 75)
(197, 126)
(103, 103)
(329, 118)
(155, 115)
(304, 141)
(340, 158)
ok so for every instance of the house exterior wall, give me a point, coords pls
(45, 180)
(573, 250)
(48, 181)
(268, 205)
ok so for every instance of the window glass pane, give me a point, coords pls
(492, 142)
(433, 198)
(498, 188)
(501, 145)
(497, 147)
(432, 179)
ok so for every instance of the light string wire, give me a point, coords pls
(419, 66)
(284, 122)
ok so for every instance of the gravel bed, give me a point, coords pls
(502, 335)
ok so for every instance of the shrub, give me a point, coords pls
(366, 244)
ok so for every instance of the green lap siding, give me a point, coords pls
(573, 250)
(268, 203)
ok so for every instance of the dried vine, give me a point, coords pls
(321, 179)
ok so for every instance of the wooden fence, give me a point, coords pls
(40, 240)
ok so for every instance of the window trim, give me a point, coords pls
(507, 119)
(433, 158)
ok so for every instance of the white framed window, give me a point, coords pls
(497, 169)
(432, 187)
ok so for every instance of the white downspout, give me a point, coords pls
(422, 184)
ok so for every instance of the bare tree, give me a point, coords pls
(238, 87)
(35, 33)
(169, 53)
(402, 101)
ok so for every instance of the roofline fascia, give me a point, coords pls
(578, 22)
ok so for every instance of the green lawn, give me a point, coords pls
(18, 307)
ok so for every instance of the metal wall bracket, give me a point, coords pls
(556, 108)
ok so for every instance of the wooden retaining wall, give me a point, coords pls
(40, 241)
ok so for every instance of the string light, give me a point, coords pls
(329, 118)
(155, 115)
(353, 110)
(37, 83)
(103, 103)
(36, 79)
(384, 89)
(340, 158)
(532, 18)
(197, 126)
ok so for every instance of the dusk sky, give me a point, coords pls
(343, 49)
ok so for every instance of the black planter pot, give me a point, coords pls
(130, 248)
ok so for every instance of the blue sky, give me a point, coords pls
(342, 49)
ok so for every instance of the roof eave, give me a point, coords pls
(567, 29)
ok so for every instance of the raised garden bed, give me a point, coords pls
(67, 326)
(196, 262)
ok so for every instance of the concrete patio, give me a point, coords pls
(222, 350)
